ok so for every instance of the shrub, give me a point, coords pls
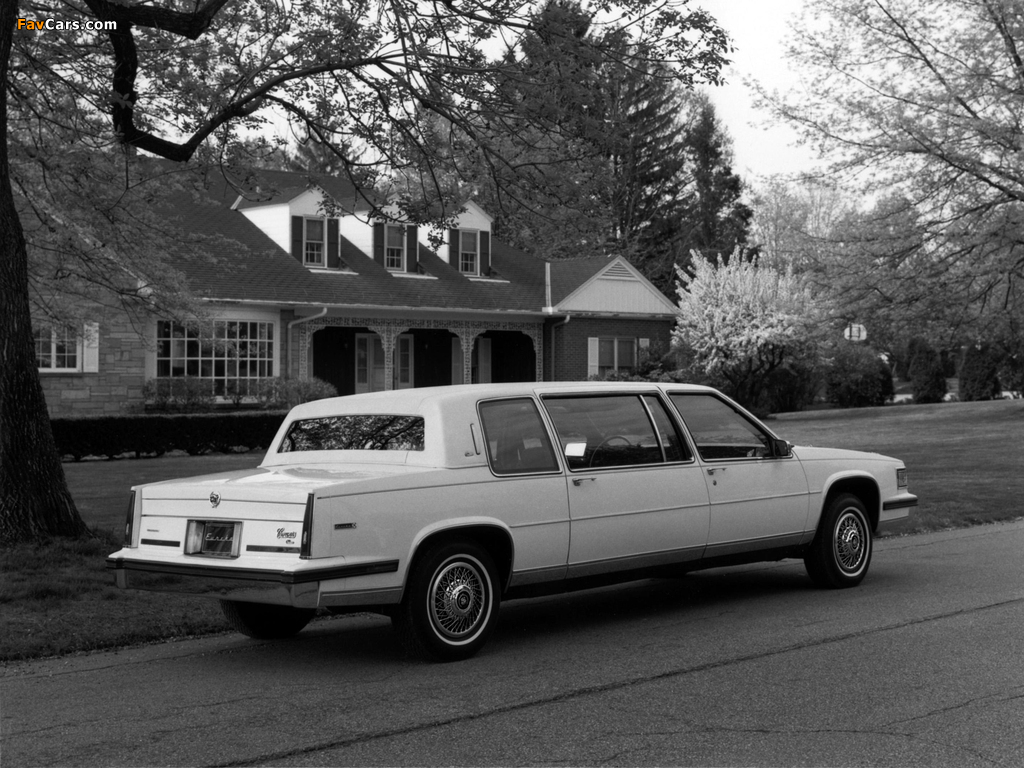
(181, 394)
(927, 374)
(149, 434)
(979, 373)
(280, 393)
(858, 377)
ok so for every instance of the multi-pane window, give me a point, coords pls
(56, 349)
(234, 358)
(394, 247)
(313, 242)
(469, 251)
(614, 354)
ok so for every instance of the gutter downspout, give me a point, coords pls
(550, 310)
(292, 324)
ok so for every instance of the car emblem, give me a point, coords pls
(214, 499)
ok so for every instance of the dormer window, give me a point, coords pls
(469, 252)
(394, 247)
(313, 243)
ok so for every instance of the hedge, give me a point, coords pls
(156, 434)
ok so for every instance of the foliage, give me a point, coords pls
(916, 104)
(927, 373)
(278, 393)
(181, 394)
(857, 377)
(741, 322)
(156, 434)
(979, 373)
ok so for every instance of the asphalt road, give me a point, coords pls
(923, 664)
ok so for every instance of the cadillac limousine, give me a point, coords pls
(433, 505)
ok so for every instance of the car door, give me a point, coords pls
(758, 500)
(637, 497)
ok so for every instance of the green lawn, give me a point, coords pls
(966, 464)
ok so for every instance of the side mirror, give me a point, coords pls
(781, 449)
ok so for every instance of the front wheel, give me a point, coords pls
(266, 622)
(841, 551)
(451, 603)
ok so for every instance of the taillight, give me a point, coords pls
(129, 525)
(307, 530)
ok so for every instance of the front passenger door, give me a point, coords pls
(758, 501)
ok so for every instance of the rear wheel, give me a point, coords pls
(266, 622)
(451, 603)
(841, 551)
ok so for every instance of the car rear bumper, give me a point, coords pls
(300, 589)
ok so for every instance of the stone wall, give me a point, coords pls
(115, 388)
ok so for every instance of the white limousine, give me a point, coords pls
(433, 505)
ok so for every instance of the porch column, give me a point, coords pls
(389, 333)
(467, 338)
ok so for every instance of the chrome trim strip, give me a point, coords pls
(390, 596)
(242, 575)
(631, 562)
(900, 503)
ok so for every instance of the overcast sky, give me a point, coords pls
(758, 29)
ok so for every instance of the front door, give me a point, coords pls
(757, 501)
(370, 364)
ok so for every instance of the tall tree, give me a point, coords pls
(716, 221)
(921, 100)
(190, 82)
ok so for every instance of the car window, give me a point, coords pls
(604, 431)
(719, 431)
(365, 432)
(516, 438)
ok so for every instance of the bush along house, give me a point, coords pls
(305, 284)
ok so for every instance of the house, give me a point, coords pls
(304, 283)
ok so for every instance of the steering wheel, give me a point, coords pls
(607, 441)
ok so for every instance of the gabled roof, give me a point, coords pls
(244, 264)
(617, 288)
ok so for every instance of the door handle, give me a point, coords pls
(578, 481)
(712, 470)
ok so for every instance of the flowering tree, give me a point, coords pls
(741, 322)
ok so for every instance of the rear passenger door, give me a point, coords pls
(636, 495)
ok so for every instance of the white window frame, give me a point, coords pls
(307, 243)
(86, 349)
(228, 356)
(400, 266)
(371, 345)
(476, 253)
(594, 353)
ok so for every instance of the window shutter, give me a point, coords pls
(412, 248)
(485, 253)
(378, 242)
(453, 248)
(297, 237)
(333, 245)
(91, 348)
(592, 352)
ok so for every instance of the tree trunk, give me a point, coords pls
(34, 498)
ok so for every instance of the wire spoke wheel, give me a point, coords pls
(849, 541)
(840, 554)
(451, 604)
(457, 599)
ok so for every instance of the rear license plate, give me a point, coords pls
(213, 538)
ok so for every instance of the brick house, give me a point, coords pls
(306, 284)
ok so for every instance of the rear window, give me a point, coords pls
(376, 432)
